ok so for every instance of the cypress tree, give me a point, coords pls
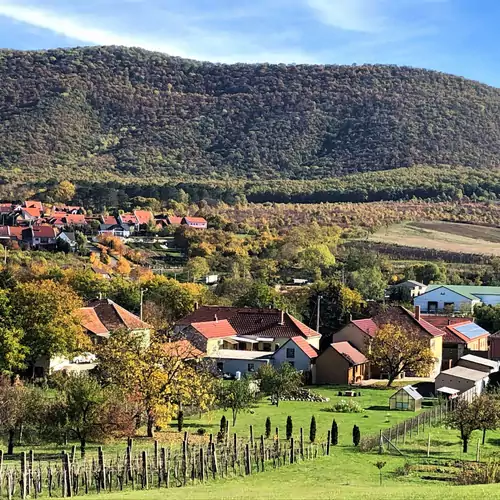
(334, 433)
(312, 430)
(289, 427)
(223, 424)
(180, 420)
(356, 435)
(268, 428)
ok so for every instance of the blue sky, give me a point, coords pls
(455, 36)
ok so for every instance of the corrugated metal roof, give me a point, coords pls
(411, 391)
(465, 373)
(479, 360)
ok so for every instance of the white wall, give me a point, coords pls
(240, 365)
(444, 380)
(441, 296)
(301, 362)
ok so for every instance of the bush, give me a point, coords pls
(201, 431)
(348, 406)
(312, 430)
(334, 434)
(223, 424)
(289, 427)
(180, 421)
(356, 435)
(268, 428)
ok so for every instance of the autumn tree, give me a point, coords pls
(237, 396)
(87, 411)
(197, 268)
(64, 192)
(156, 378)
(45, 312)
(466, 418)
(488, 411)
(13, 398)
(278, 382)
(396, 350)
(12, 351)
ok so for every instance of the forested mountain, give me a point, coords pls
(95, 112)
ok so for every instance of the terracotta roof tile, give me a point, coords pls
(143, 216)
(215, 329)
(252, 321)
(305, 347)
(32, 211)
(350, 353)
(110, 220)
(367, 326)
(103, 316)
(195, 220)
(174, 220)
(33, 204)
(442, 321)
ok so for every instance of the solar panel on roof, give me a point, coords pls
(470, 330)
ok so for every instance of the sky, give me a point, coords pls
(454, 36)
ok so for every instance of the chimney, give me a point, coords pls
(216, 319)
(417, 313)
(282, 318)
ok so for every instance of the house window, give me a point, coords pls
(251, 367)
(290, 352)
(432, 307)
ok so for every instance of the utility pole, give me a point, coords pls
(318, 313)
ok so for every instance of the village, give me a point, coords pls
(157, 358)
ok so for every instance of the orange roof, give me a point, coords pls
(215, 329)
(128, 219)
(349, 353)
(90, 321)
(143, 216)
(195, 220)
(109, 219)
(33, 204)
(304, 329)
(367, 326)
(304, 346)
(75, 219)
(174, 220)
(103, 316)
(33, 211)
(182, 349)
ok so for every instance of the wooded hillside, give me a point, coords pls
(95, 112)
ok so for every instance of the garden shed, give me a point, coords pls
(406, 398)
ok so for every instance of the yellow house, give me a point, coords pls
(360, 332)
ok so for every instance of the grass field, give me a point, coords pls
(447, 236)
(345, 474)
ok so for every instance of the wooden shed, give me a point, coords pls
(406, 398)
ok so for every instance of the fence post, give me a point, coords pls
(380, 444)
(429, 445)
(247, 460)
(478, 451)
(328, 443)
(292, 451)
(262, 453)
(102, 467)
(251, 435)
(156, 454)
(404, 433)
(67, 472)
(23, 475)
(145, 470)
(301, 445)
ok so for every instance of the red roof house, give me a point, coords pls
(143, 216)
(196, 222)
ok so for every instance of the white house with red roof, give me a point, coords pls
(298, 352)
(196, 222)
(259, 329)
(40, 237)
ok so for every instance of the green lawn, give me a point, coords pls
(347, 473)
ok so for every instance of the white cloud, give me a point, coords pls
(183, 38)
(350, 15)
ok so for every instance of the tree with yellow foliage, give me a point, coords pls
(64, 192)
(45, 312)
(158, 379)
(396, 350)
(123, 266)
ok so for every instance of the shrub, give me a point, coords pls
(348, 406)
(223, 424)
(180, 421)
(356, 435)
(268, 428)
(312, 430)
(201, 431)
(289, 427)
(221, 437)
(334, 435)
